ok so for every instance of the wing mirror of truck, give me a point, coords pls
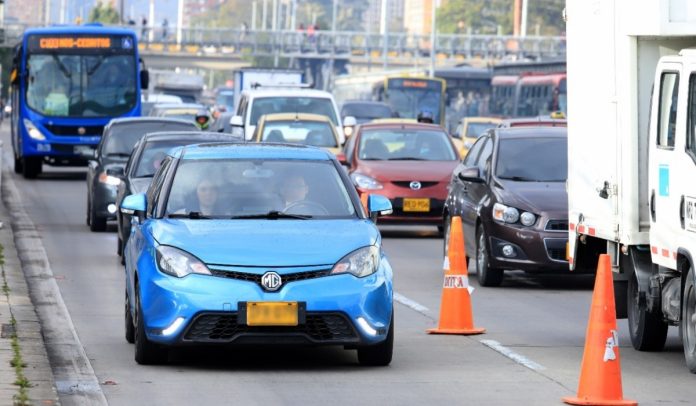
(144, 79)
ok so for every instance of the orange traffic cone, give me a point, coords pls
(455, 309)
(600, 375)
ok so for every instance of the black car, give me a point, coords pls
(144, 162)
(116, 144)
(365, 111)
(510, 193)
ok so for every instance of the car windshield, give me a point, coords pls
(81, 85)
(236, 188)
(152, 155)
(271, 105)
(475, 130)
(365, 112)
(405, 144)
(122, 137)
(533, 159)
(314, 133)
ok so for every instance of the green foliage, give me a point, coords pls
(485, 16)
(104, 13)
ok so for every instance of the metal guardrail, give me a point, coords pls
(341, 44)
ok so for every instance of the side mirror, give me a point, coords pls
(470, 174)
(144, 79)
(349, 123)
(134, 204)
(117, 171)
(237, 121)
(378, 205)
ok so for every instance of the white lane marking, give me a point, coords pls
(411, 304)
(518, 358)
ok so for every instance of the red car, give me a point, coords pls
(410, 163)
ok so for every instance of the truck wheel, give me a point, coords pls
(688, 323)
(18, 167)
(648, 331)
(31, 167)
(487, 276)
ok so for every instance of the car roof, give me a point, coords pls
(532, 132)
(148, 119)
(296, 117)
(203, 136)
(287, 92)
(163, 106)
(252, 151)
(495, 120)
(400, 123)
(533, 122)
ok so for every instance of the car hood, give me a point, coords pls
(431, 171)
(272, 243)
(139, 185)
(537, 197)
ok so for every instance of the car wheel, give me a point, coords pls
(18, 167)
(31, 167)
(96, 223)
(119, 245)
(647, 330)
(688, 323)
(381, 354)
(130, 327)
(487, 276)
(146, 352)
(87, 217)
(446, 235)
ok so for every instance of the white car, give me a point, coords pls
(258, 102)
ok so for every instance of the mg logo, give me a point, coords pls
(415, 185)
(271, 281)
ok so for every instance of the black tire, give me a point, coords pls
(119, 245)
(647, 330)
(96, 223)
(486, 275)
(18, 167)
(31, 167)
(379, 355)
(146, 352)
(688, 322)
(87, 209)
(130, 327)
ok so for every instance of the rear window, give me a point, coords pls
(366, 111)
(533, 159)
(122, 137)
(271, 105)
(405, 145)
(314, 133)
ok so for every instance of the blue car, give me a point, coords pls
(256, 244)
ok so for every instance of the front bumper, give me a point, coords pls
(332, 306)
(104, 195)
(396, 196)
(534, 250)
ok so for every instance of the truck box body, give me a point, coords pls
(245, 78)
(613, 49)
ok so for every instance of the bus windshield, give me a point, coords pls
(410, 97)
(81, 85)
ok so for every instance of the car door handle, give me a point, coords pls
(682, 211)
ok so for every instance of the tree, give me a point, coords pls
(104, 13)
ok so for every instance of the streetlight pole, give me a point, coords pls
(433, 27)
(384, 30)
(523, 23)
(180, 22)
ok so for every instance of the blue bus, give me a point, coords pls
(68, 82)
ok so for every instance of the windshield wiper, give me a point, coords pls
(274, 215)
(61, 66)
(194, 215)
(407, 158)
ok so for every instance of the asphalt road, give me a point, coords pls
(541, 321)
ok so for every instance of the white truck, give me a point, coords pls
(248, 78)
(632, 158)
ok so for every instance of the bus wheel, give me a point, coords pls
(31, 167)
(18, 167)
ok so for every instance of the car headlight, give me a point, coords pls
(176, 262)
(34, 132)
(365, 182)
(109, 180)
(527, 219)
(505, 213)
(361, 262)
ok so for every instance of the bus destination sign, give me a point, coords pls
(74, 43)
(80, 43)
(415, 84)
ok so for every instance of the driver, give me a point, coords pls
(293, 190)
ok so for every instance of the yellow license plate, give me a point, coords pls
(272, 314)
(416, 204)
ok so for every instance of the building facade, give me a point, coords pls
(372, 17)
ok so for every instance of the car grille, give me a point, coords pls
(71, 130)
(556, 248)
(318, 327)
(256, 278)
(407, 184)
(556, 254)
(557, 225)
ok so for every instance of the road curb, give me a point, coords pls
(73, 376)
